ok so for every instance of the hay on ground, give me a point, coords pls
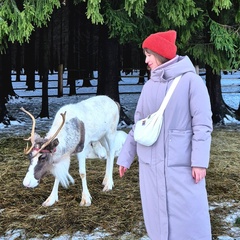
(118, 211)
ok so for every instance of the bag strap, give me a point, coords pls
(169, 94)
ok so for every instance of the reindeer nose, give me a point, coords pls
(30, 183)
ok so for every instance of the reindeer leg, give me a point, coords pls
(108, 178)
(53, 196)
(86, 197)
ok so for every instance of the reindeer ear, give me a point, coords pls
(54, 143)
(36, 136)
(51, 147)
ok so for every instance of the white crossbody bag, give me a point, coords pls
(148, 129)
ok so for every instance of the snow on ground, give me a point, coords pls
(22, 126)
(230, 89)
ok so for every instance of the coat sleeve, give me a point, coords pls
(128, 152)
(200, 108)
(129, 149)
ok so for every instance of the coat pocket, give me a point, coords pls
(144, 154)
(179, 148)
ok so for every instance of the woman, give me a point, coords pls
(172, 171)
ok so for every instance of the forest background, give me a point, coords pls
(83, 36)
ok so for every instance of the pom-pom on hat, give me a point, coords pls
(162, 43)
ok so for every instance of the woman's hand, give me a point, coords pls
(198, 173)
(122, 170)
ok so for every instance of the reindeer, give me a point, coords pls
(74, 127)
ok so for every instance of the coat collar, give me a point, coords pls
(160, 73)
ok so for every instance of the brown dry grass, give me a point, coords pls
(223, 183)
(118, 211)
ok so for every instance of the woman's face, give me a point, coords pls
(151, 60)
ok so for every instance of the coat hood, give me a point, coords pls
(173, 68)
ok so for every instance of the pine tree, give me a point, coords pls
(208, 30)
(17, 25)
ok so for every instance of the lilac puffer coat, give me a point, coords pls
(174, 206)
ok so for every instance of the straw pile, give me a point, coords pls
(118, 211)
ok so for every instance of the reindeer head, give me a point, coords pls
(40, 153)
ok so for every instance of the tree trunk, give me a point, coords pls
(219, 107)
(238, 113)
(108, 69)
(6, 74)
(127, 62)
(72, 71)
(86, 40)
(3, 110)
(143, 70)
(6, 88)
(18, 65)
(44, 59)
(108, 65)
(30, 63)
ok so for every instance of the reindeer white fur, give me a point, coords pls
(88, 121)
(96, 149)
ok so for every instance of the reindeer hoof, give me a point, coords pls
(107, 188)
(86, 200)
(49, 202)
(85, 204)
(108, 184)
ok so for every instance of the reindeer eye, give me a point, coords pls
(42, 157)
(30, 156)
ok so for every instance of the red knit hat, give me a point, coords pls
(162, 43)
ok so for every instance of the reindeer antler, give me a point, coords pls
(31, 138)
(54, 135)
